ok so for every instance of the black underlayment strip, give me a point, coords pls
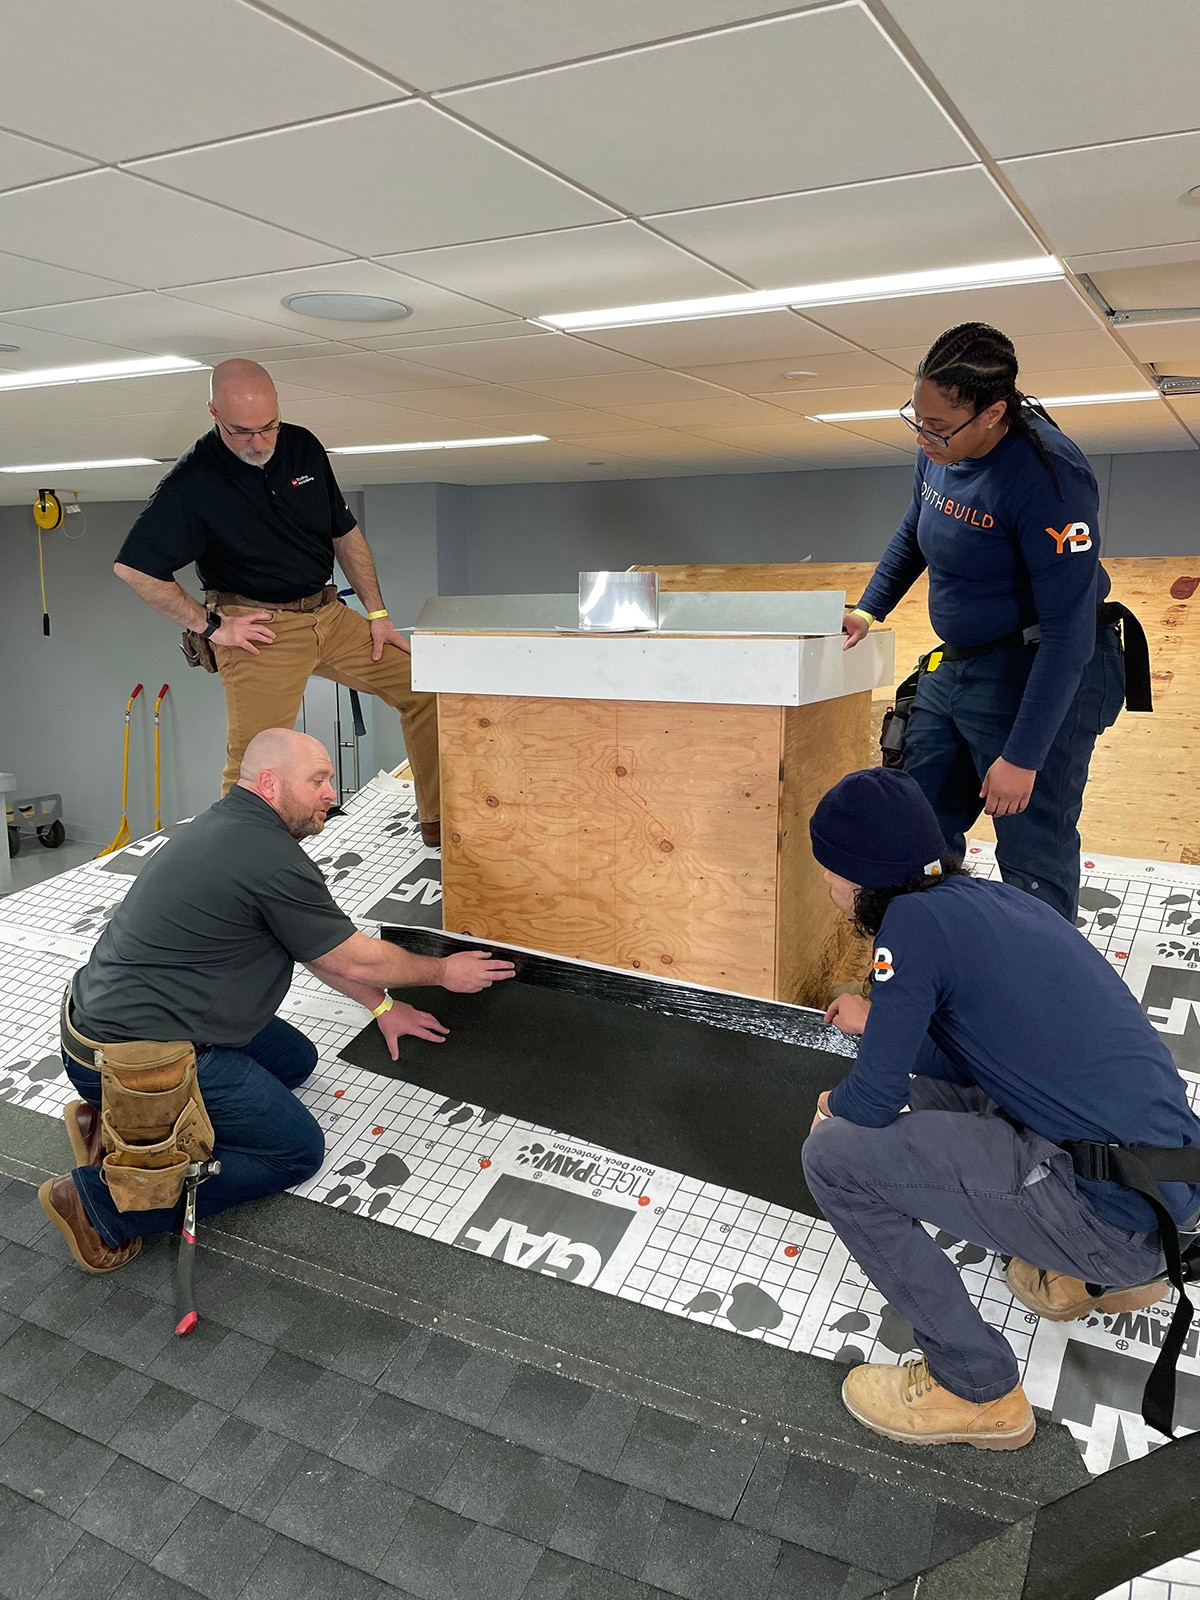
(564, 1047)
(1117, 1527)
(769, 1019)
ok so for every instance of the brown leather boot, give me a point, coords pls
(61, 1203)
(909, 1404)
(431, 834)
(83, 1130)
(1060, 1298)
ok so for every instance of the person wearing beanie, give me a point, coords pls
(1005, 518)
(994, 1033)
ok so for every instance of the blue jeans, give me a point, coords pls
(962, 717)
(954, 1162)
(265, 1140)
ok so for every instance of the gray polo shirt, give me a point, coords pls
(203, 945)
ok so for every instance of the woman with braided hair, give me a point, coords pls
(1005, 517)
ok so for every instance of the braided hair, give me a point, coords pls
(977, 364)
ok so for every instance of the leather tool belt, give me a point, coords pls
(152, 1116)
(198, 651)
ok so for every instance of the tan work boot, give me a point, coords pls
(61, 1203)
(83, 1130)
(909, 1404)
(1059, 1298)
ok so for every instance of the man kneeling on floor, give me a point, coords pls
(1005, 1034)
(175, 1010)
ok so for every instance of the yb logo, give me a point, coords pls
(1075, 536)
(882, 964)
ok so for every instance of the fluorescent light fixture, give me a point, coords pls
(941, 280)
(436, 444)
(99, 372)
(85, 466)
(1119, 398)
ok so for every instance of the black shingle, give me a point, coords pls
(69, 1299)
(457, 1380)
(92, 1571)
(609, 1525)
(422, 1553)
(291, 1571)
(559, 1577)
(702, 1558)
(24, 1275)
(812, 1505)
(343, 1513)
(806, 1575)
(492, 1565)
(95, 1396)
(12, 1415)
(956, 1530)
(21, 1216)
(886, 1529)
(51, 1465)
(134, 1509)
(405, 1444)
(168, 1430)
(596, 1437)
(508, 1487)
(213, 1550)
(308, 1403)
(236, 1461)
(34, 1362)
(211, 1362)
(129, 1326)
(35, 1543)
(539, 1409)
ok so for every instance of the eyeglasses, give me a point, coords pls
(942, 439)
(251, 433)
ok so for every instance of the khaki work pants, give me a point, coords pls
(265, 690)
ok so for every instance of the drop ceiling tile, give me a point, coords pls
(1022, 308)
(38, 349)
(157, 324)
(1145, 288)
(1036, 352)
(1114, 197)
(909, 224)
(27, 161)
(883, 430)
(513, 360)
(1087, 380)
(120, 227)
(364, 373)
(488, 40)
(571, 269)
(801, 441)
(514, 328)
(666, 128)
(755, 336)
(398, 179)
(175, 394)
(127, 483)
(813, 399)
(850, 369)
(272, 355)
(1159, 255)
(1163, 343)
(478, 400)
(624, 388)
(1099, 430)
(1057, 77)
(261, 297)
(152, 75)
(24, 283)
(730, 409)
(338, 420)
(564, 424)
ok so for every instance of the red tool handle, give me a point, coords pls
(162, 691)
(135, 694)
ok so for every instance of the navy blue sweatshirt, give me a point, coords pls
(980, 983)
(1006, 549)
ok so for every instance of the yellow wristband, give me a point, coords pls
(387, 1005)
(374, 616)
(858, 611)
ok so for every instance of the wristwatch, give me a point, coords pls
(214, 622)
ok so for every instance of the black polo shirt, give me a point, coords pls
(265, 532)
(203, 945)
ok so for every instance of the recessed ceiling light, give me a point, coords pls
(797, 377)
(7, 349)
(85, 466)
(329, 307)
(100, 372)
(1194, 193)
(1117, 398)
(1031, 269)
(436, 444)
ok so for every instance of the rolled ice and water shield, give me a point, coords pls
(618, 602)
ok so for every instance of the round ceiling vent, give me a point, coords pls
(330, 307)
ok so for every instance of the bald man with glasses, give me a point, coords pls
(255, 505)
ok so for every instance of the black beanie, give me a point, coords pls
(876, 828)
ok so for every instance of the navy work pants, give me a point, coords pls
(961, 720)
(265, 1140)
(953, 1161)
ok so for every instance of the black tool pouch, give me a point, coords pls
(894, 732)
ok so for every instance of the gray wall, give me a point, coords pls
(62, 699)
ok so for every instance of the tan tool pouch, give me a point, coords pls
(197, 651)
(153, 1121)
